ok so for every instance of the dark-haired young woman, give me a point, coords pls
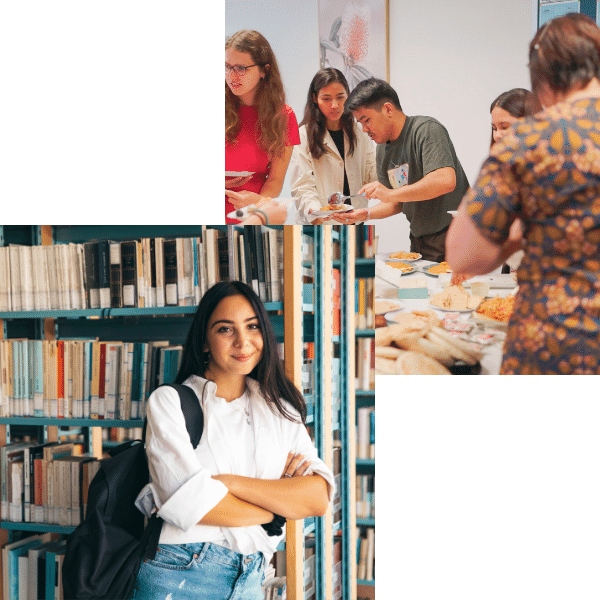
(334, 154)
(508, 108)
(255, 459)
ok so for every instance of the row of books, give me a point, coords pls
(365, 364)
(82, 378)
(149, 272)
(364, 295)
(365, 496)
(365, 432)
(32, 568)
(44, 483)
(275, 588)
(366, 553)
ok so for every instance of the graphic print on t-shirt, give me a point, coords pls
(398, 176)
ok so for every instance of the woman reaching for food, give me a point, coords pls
(546, 173)
(334, 154)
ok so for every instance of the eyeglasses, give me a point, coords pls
(238, 69)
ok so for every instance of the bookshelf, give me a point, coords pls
(295, 321)
(365, 400)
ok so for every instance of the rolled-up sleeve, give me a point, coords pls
(180, 488)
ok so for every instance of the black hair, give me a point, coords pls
(372, 93)
(274, 384)
(315, 120)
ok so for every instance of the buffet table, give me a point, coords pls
(491, 349)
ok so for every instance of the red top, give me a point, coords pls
(247, 155)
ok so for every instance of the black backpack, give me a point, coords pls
(105, 551)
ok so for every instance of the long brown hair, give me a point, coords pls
(518, 103)
(315, 120)
(565, 54)
(270, 97)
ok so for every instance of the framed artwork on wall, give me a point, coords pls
(354, 38)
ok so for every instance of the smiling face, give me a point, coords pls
(243, 85)
(377, 124)
(330, 99)
(234, 339)
(502, 120)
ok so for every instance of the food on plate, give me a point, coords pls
(400, 266)
(420, 331)
(405, 255)
(417, 363)
(443, 267)
(455, 297)
(332, 207)
(497, 309)
(384, 306)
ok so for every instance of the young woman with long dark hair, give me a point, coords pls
(255, 462)
(334, 154)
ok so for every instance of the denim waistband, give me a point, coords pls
(222, 554)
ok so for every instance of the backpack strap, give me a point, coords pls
(191, 409)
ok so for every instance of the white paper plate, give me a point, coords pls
(327, 213)
(464, 310)
(387, 258)
(412, 270)
(424, 269)
(396, 304)
(238, 173)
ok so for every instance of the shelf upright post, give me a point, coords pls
(292, 309)
(46, 238)
(4, 533)
(323, 400)
(348, 439)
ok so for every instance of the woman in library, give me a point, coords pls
(260, 128)
(224, 503)
(334, 154)
(545, 172)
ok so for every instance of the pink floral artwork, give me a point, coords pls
(353, 38)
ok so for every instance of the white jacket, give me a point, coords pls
(181, 487)
(313, 181)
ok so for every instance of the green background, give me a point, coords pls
(111, 112)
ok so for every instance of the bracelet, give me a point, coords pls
(263, 213)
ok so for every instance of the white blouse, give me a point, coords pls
(181, 489)
(313, 181)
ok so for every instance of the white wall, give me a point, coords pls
(448, 61)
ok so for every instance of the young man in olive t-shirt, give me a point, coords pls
(418, 171)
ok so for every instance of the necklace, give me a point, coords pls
(244, 409)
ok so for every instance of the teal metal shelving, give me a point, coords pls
(172, 323)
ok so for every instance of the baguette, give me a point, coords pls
(383, 366)
(434, 349)
(387, 352)
(458, 346)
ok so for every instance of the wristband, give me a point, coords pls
(263, 213)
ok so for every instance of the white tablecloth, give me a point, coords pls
(492, 353)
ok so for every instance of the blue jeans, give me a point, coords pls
(202, 571)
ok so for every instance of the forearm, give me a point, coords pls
(232, 511)
(434, 184)
(385, 209)
(290, 497)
